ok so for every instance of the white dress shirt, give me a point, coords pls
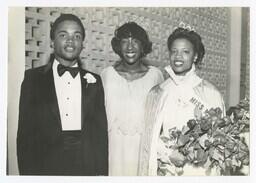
(68, 90)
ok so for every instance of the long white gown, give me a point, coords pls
(172, 104)
(125, 106)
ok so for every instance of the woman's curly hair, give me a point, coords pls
(131, 29)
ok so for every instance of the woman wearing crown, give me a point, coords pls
(183, 96)
(126, 85)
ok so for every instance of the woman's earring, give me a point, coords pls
(195, 59)
(52, 45)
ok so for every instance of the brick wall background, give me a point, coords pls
(213, 24)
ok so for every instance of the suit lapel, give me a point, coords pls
(50, 97)
(84, 94)
(87, 98)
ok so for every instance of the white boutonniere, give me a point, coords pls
(89, 78)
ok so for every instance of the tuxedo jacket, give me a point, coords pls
(39, 129)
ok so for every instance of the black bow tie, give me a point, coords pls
(72, 70)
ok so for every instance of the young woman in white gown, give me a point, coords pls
(126, 85)
(181, 97)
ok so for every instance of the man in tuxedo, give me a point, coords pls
(62, 120)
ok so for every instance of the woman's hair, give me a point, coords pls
(131, 29)
(192, 37)
(65, 17)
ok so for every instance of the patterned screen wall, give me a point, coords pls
(211, 23)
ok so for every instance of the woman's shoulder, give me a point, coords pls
(162, 87)
(210, 94)
(106, 70)
(207, 85)
(209, 89)
(156, 74)
(155, 69)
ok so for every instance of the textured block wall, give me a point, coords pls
(211, 23)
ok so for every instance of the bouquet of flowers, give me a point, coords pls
(211, 141)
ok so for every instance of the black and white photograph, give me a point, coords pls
(110, 91)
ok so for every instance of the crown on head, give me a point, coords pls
(140, 20)
(185, 26)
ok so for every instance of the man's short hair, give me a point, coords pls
(64, 17)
